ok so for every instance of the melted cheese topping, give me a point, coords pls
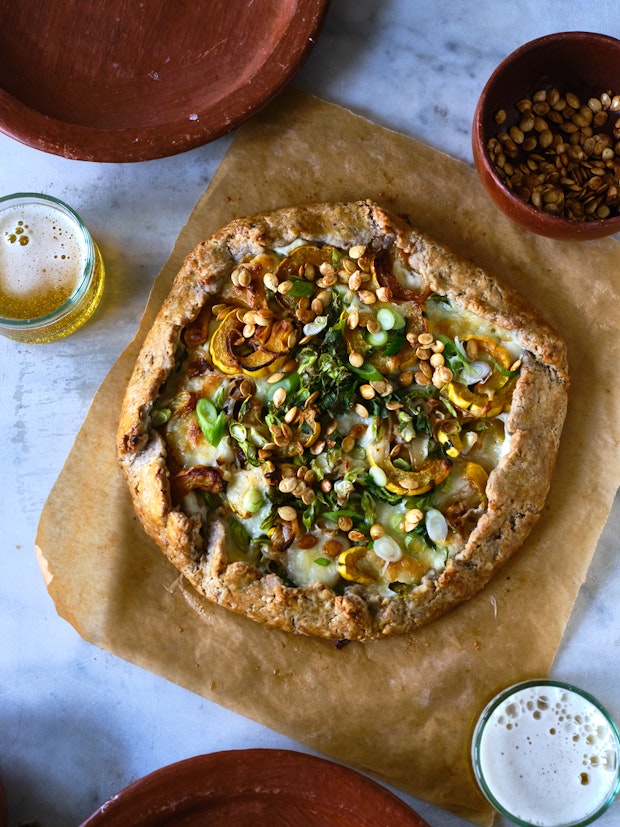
(303, 569)
(248, 496)
(462, 323)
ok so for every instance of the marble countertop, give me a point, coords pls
(78, 724)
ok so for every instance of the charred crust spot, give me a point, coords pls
(132, 441)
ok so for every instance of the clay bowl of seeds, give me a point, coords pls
(546, 136)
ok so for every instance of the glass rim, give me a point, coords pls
(67, 306)
(483, 720)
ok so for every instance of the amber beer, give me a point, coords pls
(51, 272)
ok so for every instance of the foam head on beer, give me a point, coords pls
(546, 754)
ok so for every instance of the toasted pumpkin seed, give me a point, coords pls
(287, 513)
(356, 359)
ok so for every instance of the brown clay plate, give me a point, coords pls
(254, 788)
(108, 80)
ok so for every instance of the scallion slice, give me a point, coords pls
(212, 424)
(378, 339)
(390, 319)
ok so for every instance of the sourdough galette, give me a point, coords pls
(338, 427)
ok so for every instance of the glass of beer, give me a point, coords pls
(546, 754)
(51, 271)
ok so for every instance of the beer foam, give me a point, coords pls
(549, 756)
(41, 253)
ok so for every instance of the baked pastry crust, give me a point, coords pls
(515, 489)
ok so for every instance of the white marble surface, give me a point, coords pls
(78, 724)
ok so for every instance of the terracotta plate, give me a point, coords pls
(108, 80)
(252, 788)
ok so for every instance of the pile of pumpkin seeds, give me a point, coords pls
(561, 155)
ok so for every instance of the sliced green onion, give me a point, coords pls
(388, 549)
(377, 339)
(322, 561)
(379, 477)
(368, 372)
(206, 411)
(212, 424)
(390, 319)
(238, 431)
(253, 501)
(160, 416)
(436, 525)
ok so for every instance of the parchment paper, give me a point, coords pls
(399, 709)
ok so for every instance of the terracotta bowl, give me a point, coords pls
(582, 63)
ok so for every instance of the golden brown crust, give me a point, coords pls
(516, 489)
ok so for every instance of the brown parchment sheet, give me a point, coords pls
(400, 709)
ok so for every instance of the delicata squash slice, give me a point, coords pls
(336, 426)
